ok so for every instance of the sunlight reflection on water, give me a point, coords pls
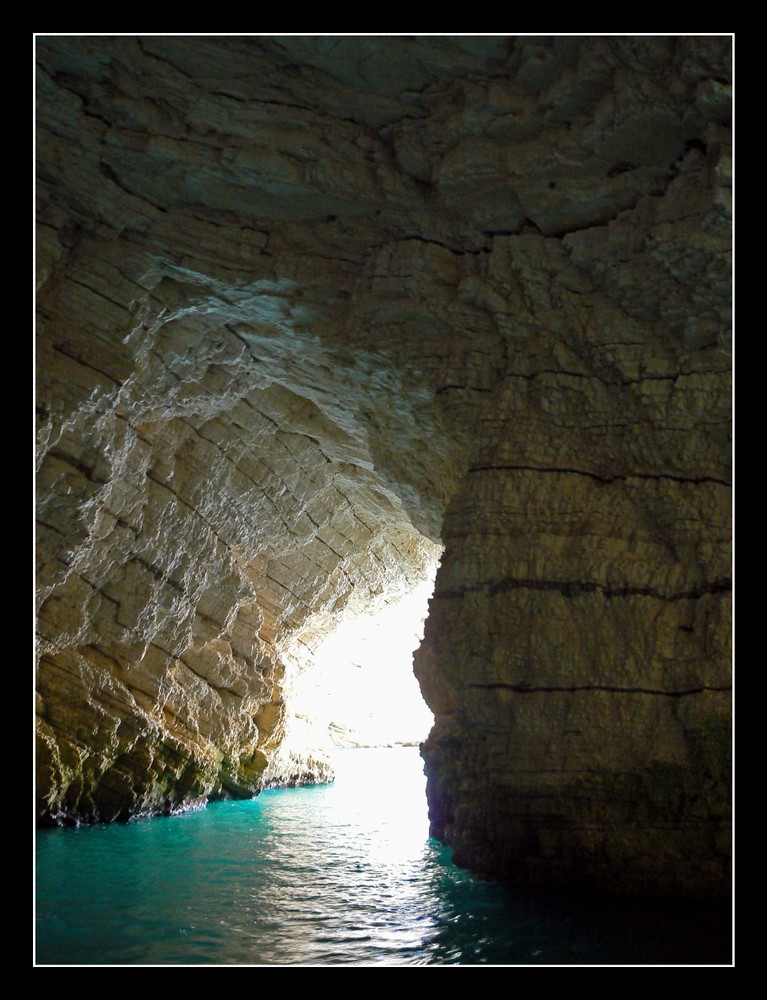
(336, 874)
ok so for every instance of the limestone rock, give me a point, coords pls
(310, 306)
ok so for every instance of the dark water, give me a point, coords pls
(336, 875)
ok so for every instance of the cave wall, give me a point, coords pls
(310, 306)
(577, 645)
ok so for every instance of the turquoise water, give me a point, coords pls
(342, 874)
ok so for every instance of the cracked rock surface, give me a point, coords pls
(311, 307)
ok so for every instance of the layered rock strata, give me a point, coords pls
(310, 307)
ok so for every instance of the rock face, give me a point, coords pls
(310, 307)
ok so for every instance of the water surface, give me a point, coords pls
(342, 874)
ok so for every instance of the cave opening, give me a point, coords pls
(354, 687)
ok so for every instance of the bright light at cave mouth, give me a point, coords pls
(360, 689)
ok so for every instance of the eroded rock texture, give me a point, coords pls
(310, 306)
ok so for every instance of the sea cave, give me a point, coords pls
(321, 316)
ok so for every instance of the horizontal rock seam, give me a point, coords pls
(571, 588)
(697, 480)
(524, 689)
